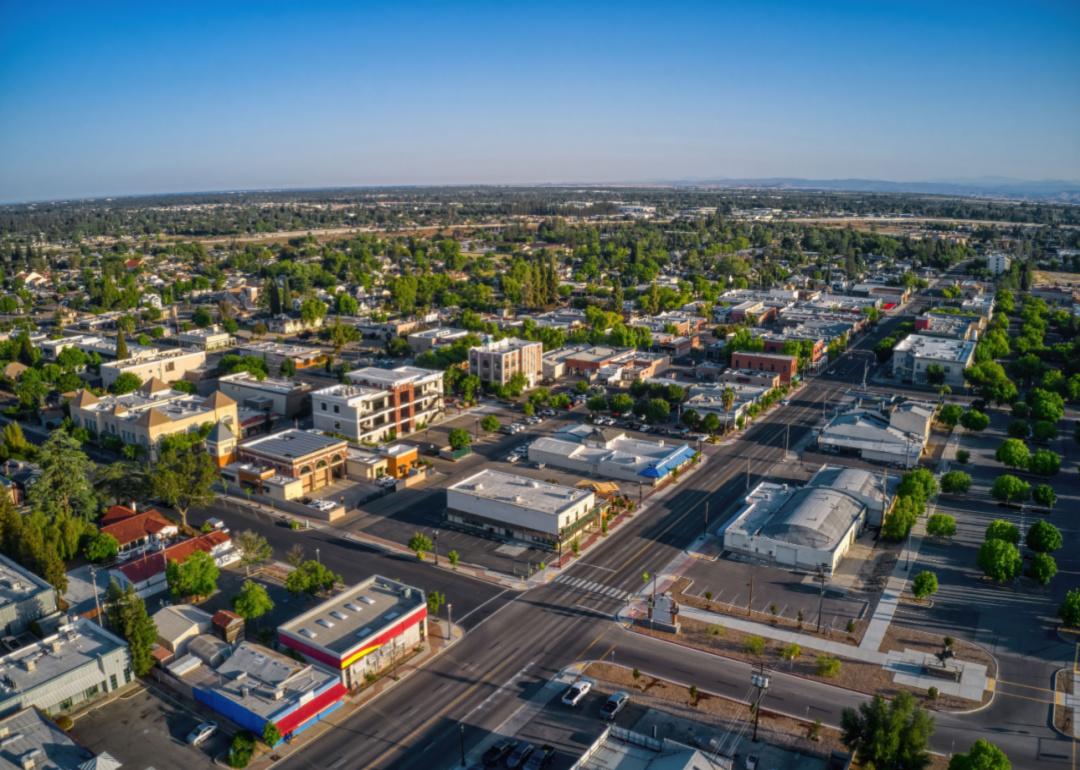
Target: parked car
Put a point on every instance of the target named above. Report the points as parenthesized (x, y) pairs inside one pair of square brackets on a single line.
[(540, 758), (201, 732), (576, 692), (522, 751), (513, 457), (614, 704), (495, 755)]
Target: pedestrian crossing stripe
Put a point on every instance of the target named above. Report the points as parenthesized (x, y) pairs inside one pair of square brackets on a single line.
[(593, 587)]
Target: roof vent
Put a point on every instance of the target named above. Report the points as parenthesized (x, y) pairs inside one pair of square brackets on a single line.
[(29, 664), (245, 691), (279, 693), (29, 760)]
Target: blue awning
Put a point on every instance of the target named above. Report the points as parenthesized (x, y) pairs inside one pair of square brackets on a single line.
[(674, 460)]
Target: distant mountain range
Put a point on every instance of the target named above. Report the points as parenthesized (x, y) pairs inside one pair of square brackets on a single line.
[(1056, 190)]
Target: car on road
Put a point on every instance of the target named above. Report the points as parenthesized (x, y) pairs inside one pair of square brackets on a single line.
[(575, 692), (495, 755), (540, 758), (522, 751), (614, 704), (201, 732)]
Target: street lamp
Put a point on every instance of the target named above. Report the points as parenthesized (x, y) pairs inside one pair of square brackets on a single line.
[(449, 621), (821, 594), (436, 548), (317, 557)]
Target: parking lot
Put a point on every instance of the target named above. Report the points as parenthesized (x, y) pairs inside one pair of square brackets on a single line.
[(850, 594), (146, 729), (398, 516)]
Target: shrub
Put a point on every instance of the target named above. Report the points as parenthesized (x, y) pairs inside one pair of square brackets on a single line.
[(1069, 611), (790, 652), (962, 456), (1044, 494), (716, 630), (755, 645), (241, 749), (828, 666), (1019, 429), (1044, 537), (999, 560), (1000, 529), (924, 584), (64, 722), (932, 693), (1043, 568), (1044, 462), (1010, 489)]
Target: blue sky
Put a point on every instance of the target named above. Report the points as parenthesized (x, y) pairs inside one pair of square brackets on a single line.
[(109, 98)]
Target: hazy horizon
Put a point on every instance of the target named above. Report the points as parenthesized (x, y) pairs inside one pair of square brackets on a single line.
[(137, 99)]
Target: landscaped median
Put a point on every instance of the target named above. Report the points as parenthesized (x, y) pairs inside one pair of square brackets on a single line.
[(806, 654)]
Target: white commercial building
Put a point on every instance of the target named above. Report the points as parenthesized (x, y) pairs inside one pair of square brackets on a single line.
[(611, 454), (916, 353), (798, 527), (78, 663), (521, 508), (210, 338), (24, 598), (497, 361), (379, 404), (167, 366), (897, 438)]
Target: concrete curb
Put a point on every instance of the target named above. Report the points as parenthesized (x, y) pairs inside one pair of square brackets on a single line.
[(1055, 707)]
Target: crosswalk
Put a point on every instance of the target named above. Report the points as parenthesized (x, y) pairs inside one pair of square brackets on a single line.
[(593, 587)]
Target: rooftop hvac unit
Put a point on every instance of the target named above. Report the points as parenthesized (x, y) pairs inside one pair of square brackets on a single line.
[(244, 691), (29, 664), (279, 693)]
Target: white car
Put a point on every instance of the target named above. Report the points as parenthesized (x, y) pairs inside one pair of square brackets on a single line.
[(201, 733), (576, 692)]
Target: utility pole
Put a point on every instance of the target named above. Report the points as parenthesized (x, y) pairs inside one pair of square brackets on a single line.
[(97, 602), (436, 548), (760, 680), (821, 595), (706, 533), (449, 622), (750, 601)]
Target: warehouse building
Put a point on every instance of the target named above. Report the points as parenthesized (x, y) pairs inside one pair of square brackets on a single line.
[(897, 438), (799, 527), (24, 598), (79, 663), (611, 454), (255, 686), (361, 631), (522, 508)]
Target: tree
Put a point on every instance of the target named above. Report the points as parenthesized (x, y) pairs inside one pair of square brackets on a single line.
[(63, 489), (101, 547), (490, 423), (1043, 568), (454, 558), (924, 584), (1014, 453), (1044, 537), (999, 560), (596, 403), (621, 403), (755, 645), (888, 735), (1043, 494), (126, 382), (983, 755), (919, 483), (710, 423), (1044, 462), (657, 410), (121, 346), (253, 601), (1069, 611), (459, 439), (1045, 431), (955, 483), (196, 576), (241, 749), (950, 415), (1010, 489), (254, 549), (790, 652), (420, 544), (935, 374), (184, 478), (310, 578), (312, 309), (1046, 405), (271, 735), (941, 525), (1019, 429), (128, 617), (1000, 529), (436, 600)]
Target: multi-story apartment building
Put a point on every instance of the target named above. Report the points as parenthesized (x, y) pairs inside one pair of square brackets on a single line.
[(279, 396), (149, 414), (378, 404), (997, 263), (497, 361)]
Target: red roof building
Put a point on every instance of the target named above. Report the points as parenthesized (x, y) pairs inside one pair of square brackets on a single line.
[(140, 531), (147, 573)]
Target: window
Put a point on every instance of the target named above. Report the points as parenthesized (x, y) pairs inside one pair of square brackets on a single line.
[(112, 681), (90, 692), (323, 405), (66, 703), (337, 409), (127, 676)]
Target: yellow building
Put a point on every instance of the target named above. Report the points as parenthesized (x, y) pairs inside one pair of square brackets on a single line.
[(149, 414)]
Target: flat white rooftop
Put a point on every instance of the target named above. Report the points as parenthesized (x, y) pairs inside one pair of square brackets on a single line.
[(520, 491)]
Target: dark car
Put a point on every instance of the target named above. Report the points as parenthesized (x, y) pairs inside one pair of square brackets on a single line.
[(522, 751), (494, 756), (540, 759)]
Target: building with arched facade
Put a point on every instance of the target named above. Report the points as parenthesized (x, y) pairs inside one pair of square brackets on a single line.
[(312, 459)]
